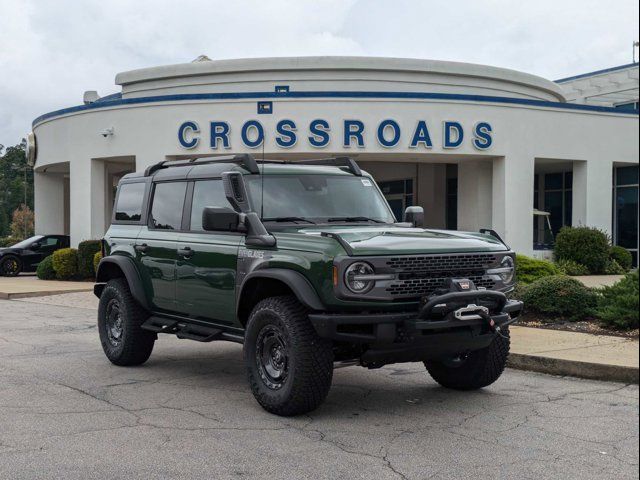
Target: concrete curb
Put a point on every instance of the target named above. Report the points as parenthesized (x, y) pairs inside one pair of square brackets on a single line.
[(572, 368), (11, 296)]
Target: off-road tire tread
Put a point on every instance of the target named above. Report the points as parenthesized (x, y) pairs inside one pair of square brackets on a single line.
[(481, 369), (137, 343), (314, 371)]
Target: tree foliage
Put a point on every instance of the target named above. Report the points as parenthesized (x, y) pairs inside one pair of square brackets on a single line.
[(13, 167), (22, 222)]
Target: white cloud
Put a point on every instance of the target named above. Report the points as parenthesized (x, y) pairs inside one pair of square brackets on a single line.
[(51, 52)]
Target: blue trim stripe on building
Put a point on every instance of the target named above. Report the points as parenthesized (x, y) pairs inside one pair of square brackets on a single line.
[(117, 100), (597, 72)]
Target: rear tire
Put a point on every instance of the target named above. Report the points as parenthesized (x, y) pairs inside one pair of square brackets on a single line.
[(119, 320), (10, 266), (479, 369), (289, 366)]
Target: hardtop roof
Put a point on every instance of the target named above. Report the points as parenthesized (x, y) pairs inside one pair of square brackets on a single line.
[(214, 170)]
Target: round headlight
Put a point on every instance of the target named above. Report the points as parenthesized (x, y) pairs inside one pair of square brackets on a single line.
[(508, 271), (353, 277)]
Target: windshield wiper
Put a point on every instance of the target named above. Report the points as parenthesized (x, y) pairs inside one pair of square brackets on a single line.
[(288, 219), (354, 219)]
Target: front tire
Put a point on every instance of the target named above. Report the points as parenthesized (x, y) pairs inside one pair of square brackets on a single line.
[(289, 366), (10, 266), (119, 320), (474, 370)]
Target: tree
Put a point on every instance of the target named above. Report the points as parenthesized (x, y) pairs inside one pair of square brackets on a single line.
[(22, 224), (16, 183)]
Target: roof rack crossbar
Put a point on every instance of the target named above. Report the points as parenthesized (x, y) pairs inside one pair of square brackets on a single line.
[(250, 163), (348, 162), (246, 160)]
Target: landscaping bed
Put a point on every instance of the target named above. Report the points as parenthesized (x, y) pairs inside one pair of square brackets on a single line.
[(554, 299), (590, 325)]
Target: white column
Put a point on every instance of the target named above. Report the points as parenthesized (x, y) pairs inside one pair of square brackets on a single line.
[(513, 200), (98, 198), (592, 194), (49, 205), (475, 200), (431, 193), (80, 199)]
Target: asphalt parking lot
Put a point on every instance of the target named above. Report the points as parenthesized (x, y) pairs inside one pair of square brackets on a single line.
[(66, 412)]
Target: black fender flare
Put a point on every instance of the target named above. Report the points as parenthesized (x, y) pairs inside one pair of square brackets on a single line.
[(131, 274), (297, 282)]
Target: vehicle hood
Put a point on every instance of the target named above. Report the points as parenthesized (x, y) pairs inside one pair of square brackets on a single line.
[(393, 240)]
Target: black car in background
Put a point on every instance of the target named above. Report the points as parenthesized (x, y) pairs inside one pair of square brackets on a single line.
[(25, 256)]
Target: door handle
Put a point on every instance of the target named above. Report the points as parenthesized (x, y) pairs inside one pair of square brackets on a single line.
[(142, 248), (186, 252)]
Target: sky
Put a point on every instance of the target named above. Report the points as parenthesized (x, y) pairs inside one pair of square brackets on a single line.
[(52, 51)]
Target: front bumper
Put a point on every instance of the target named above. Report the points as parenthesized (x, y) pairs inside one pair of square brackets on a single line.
[(436, 330)]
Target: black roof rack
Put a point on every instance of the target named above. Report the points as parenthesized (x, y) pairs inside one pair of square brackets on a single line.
[(251, 164), (245, 160), (347, 162)]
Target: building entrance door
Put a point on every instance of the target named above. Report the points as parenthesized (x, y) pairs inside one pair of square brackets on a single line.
[(399, 194)]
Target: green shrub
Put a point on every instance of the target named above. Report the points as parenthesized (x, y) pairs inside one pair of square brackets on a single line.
[(614, 268), (584, 245), (86, 252), (618, 305), (622, 256), (569, 267), (96, 260), (530, 269), (560, 295), (65, 263), (45, 269)]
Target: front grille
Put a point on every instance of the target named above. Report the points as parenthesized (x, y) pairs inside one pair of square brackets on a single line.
[(471, 261), (423, 275)]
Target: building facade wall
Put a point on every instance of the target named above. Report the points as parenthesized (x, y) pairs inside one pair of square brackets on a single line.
[(495, 183)]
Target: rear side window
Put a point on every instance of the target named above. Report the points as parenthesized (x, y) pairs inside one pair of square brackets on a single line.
[(206, 193), (168, 201), (130, 198)]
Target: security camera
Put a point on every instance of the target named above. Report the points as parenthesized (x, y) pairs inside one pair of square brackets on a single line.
[(107, 132)]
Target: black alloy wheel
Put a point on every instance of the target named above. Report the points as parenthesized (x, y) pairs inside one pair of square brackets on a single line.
[(10, 266), (272, 357), (114, 322)]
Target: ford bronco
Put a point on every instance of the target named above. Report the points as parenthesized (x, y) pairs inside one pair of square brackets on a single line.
[(305, 265)]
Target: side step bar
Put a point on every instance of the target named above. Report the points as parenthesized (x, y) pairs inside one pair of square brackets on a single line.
[(188, 331)]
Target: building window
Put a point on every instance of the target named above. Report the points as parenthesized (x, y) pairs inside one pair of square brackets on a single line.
[(553, 205), (558, 198), (629, 106), (399, 194), (625, 209)]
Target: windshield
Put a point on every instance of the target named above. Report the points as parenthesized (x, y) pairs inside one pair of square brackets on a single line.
[(319, 198), (27, 242)]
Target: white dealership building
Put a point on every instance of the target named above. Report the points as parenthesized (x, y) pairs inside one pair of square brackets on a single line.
[(476, 146)]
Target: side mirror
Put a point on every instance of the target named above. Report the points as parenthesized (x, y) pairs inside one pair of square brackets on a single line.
[(220, 219), (414, 215), (36, 246)]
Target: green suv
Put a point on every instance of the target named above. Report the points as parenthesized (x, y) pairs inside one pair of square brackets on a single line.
[(305, 265)]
